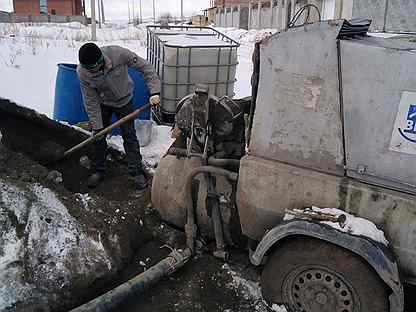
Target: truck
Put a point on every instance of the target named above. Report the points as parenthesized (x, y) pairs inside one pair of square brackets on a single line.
[(332, 125)]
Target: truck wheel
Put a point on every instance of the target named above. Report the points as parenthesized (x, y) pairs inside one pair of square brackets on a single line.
[(310, 275)]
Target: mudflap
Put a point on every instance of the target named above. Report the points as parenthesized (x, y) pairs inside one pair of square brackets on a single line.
[(377, 255)]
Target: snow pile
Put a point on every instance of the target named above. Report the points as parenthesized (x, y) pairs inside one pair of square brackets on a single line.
[(250, 291), (353, 225), (43, 248), (247, 37), (151, 153)]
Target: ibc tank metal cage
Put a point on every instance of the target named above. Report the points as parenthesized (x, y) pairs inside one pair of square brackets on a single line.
[(206, 56)]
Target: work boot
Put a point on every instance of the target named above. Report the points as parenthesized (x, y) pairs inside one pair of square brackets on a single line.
[(95, 179), (141, 183)]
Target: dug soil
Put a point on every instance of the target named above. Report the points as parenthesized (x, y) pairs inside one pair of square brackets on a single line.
[(27, 143)]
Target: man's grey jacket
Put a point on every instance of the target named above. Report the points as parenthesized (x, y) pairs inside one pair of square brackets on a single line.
[(113, 86)]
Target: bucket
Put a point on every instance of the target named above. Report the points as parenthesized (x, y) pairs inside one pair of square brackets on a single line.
[(69, 105)]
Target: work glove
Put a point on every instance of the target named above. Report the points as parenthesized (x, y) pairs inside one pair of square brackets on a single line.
[(154, 100)]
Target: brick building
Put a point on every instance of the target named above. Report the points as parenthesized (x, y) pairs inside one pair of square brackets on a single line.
[(53, 7)]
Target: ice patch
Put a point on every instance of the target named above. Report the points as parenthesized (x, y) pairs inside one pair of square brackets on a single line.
[(353, 225), (250, 291)]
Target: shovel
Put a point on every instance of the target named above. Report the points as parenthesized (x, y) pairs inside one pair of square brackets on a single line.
[(59, 155)]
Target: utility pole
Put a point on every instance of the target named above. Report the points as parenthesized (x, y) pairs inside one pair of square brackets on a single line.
[(140, 7), (154, 12), (99, 14), (93, 24), (102, 12), (128, 8), (182, 11), (134, 16)]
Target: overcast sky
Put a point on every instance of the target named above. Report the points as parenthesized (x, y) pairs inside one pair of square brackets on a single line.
[(118, 9)]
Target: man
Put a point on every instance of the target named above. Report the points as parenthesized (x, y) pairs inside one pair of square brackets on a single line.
[(107, 89)]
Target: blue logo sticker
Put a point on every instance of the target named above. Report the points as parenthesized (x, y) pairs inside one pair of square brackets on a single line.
[(409, 133)]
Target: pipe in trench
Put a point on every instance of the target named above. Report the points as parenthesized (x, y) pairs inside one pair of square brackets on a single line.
[(138, 284), (177, 259)]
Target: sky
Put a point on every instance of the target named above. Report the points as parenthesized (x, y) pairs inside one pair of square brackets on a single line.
[(118, 9)]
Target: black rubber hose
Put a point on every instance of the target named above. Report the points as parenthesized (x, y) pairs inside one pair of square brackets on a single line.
[(137, 285), (190, 226)]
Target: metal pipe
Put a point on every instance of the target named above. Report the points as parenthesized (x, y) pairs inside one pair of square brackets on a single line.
[(190, 226), (99, 14), (93, 22), (216, 218), (137, 285), (216, 162)]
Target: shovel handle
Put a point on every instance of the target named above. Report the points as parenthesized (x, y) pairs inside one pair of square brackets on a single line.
[(117, 124)]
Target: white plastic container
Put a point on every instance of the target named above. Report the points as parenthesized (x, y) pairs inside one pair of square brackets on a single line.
[(184, 56), (143, 131)]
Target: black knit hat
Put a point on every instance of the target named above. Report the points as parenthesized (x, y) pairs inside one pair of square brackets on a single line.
[(90, 55)]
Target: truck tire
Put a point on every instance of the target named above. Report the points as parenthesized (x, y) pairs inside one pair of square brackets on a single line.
[(309, 275)]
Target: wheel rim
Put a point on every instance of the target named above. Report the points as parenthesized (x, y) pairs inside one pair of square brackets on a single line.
[(319, 289)]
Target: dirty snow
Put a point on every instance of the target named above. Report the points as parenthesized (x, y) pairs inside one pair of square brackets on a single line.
[(50, 240), (158, 146), (353, 225), (250, 291)]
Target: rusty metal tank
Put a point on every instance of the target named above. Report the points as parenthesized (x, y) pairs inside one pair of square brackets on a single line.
[(168, 198)]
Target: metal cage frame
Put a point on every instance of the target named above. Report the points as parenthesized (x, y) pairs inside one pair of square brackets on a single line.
[(156, 57)]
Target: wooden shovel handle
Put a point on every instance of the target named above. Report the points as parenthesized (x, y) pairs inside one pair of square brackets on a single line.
[(117, 124)]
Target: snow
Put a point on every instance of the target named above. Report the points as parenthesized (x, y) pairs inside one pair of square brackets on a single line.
[(187, 40), (353, 225), (29, 55), (247, 39), (154, 151), (250, 290), (50, 241)]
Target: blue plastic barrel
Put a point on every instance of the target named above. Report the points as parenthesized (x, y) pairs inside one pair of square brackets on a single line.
[(69, 105)]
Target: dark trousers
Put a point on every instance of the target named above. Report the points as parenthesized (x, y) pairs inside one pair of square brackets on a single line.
[(131, 143)]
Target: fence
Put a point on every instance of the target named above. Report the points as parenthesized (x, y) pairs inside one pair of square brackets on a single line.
[(258, 15), (44, 18), (388, 15)]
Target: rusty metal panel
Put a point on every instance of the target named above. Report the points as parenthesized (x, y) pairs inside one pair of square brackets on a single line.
[(266, 188), (297, 117), (379, 92)]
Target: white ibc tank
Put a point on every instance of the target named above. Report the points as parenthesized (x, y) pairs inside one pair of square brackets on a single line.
[(184, 56)]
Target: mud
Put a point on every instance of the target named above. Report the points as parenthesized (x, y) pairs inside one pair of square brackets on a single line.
[(44, 140), (204, 284)]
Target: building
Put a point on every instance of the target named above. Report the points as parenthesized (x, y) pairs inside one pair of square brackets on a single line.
[(52, 7), (199, 20), (228, 3), (257, 14)]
